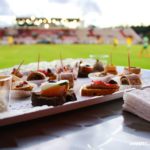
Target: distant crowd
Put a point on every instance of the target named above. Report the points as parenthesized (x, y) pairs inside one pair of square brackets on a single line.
[(68, 36)]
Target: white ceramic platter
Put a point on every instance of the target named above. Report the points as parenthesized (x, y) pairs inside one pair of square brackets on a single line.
[(22, 109)]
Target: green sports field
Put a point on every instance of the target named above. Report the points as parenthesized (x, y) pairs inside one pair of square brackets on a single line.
[(12, 55)]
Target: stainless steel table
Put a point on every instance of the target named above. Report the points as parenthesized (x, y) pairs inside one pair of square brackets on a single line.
[(102, 126), (99, 127)]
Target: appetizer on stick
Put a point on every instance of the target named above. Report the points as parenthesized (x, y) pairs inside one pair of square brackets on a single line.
[(53, 94)]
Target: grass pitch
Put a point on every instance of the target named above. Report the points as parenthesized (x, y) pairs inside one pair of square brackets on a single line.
[(13, 55)]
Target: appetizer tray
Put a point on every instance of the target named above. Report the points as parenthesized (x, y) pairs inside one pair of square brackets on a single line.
[(22, 110)]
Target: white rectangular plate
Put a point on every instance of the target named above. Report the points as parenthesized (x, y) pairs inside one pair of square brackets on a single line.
[(22, 110)]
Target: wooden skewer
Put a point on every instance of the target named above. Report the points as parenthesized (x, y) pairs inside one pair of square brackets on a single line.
[(38, 65), (111, 58), (129, 65), (61, 61), (20, 65)]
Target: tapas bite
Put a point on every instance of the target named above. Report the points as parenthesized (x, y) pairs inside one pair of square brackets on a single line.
[(135, 70), (67, 76), (100, 76), (111, 69), (53, 94), (68, 69), (36, 77), (98, 66), (48, 73), (16, 71), (98, 88), (84, 70), (21, 88), (131, 80), (130, 69), (51, 75)]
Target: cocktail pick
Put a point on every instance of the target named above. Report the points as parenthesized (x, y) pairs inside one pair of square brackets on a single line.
[(111, 58), (129, 65), (38, 63), (61, 61), (20, 65)]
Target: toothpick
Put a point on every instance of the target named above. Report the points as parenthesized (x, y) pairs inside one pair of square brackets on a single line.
[(111, 58), (38, 65), (129, 66), (61, 61), (20, 65)]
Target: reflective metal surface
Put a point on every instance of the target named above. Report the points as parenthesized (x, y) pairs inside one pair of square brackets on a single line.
[(99, 127)]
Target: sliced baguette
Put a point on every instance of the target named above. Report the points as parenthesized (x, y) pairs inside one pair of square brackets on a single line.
[(97, 92)]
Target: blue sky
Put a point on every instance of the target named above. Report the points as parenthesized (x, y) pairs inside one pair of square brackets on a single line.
[(102, 13)]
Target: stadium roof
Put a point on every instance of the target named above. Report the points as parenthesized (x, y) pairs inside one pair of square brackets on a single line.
[(101, 13)]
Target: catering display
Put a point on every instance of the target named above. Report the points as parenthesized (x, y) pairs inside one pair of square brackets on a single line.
[(51, 90)]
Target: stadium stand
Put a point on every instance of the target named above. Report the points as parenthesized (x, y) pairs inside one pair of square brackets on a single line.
[(68, 36)]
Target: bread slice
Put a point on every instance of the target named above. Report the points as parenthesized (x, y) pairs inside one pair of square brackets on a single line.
[(39, 100), (26, 87), (17, 81), (97, 92)]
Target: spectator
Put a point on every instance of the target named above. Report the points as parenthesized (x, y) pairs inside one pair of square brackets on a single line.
[(10, 40), (115, 42), (129, 41), (144, 47)]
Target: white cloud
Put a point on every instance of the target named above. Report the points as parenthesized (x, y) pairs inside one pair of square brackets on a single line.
[(102, 13), (125, 12)]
